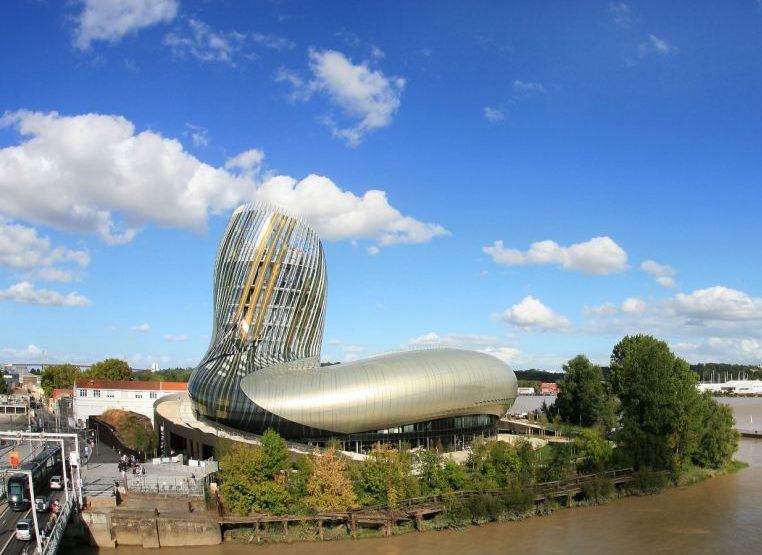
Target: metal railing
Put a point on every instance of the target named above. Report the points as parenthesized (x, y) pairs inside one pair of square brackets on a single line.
[(161, 485)]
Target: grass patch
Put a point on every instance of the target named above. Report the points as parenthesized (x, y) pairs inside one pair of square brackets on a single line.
[(133, 430), (691, 474)]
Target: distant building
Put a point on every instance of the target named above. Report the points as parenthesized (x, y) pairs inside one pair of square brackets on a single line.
[(527, 391), (93, 397), (548, 388), (154, 367), (734, 387)]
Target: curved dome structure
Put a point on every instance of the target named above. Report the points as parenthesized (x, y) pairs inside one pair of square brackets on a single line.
[(262, 367)]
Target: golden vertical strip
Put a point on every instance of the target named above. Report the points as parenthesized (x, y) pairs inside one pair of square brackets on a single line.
[(273, 279), (261, 277), (253, 271)]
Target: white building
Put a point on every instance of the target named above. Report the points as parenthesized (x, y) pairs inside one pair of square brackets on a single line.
[(736, 387), (93, 397)]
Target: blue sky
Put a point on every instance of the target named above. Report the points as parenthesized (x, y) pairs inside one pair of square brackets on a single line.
[(529, 179)]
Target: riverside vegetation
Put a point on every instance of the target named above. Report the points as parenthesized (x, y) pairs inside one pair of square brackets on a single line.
[(648, 415)]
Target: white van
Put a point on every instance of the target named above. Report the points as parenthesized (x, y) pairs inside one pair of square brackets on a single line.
[(24, 529)]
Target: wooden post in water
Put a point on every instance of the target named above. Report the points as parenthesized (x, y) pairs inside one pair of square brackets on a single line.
[(285, 529), (320, 528), (354, 527), (418, 522)]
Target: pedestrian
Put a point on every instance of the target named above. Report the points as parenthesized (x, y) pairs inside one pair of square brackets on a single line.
[(156, 511), (143, 470)]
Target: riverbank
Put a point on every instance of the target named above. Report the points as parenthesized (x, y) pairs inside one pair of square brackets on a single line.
[(479, 510), (151, 522)]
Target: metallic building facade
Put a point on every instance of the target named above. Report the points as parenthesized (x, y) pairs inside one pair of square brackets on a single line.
[(262, 368)]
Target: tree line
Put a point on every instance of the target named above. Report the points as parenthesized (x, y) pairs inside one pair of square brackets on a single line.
[(647, 415), (62, 376)]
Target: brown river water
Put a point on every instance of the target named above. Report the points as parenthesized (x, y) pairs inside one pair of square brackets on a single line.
[(722, 515)]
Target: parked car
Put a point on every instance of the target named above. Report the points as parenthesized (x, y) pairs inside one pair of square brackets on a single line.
[(24, 529), (41, 504), (56, 482)]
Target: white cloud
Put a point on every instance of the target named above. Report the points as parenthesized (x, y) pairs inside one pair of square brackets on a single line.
[(25, 292), (528, 87), (337, 214), (493, 115), (481, 343), (205, 44), (31, 352), (633, 306), (175, 338), (199, 135), (605, 309), (532, 315), (373, 250), (141, 328), (248, 163), (620, 13), (489, 42), (718, 303), (94, 174), (364, 95), (739, 350), (273, 42), (665, 275), (110, 20), (77, 172), (599, 255), (653, 45), (21, 248)]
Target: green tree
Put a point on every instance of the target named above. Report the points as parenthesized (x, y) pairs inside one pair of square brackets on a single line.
[(582, 399), (719, 438), (328, 487), (385, 476), (109, 369), (59, 376), (275, 453), (594, 450), (245, 485), (659, 403)]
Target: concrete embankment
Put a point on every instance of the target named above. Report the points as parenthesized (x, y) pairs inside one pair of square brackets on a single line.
[(139, 525)]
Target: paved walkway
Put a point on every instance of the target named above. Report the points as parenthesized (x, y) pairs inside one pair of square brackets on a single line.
[(98, 477)]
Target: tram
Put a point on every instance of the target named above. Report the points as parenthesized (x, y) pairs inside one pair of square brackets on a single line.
[(46, 464)]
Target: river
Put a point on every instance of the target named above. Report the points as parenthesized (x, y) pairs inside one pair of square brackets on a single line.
[(719, 516)]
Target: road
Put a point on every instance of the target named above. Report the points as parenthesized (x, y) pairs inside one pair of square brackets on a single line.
[(9, 545)]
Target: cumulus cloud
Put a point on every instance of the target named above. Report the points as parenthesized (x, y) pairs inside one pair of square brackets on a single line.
[(599, 255), (363, 95), (110, 20), (337, 214), (633, 306), (141, 328), (25, 292), (718, 303), (738, 350), (21, 248), (202, 42), (373, 250), (493, 115), (532, 315), (95, 174), (664, 275)]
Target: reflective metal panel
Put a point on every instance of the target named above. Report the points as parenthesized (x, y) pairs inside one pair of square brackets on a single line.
[(385, 391)]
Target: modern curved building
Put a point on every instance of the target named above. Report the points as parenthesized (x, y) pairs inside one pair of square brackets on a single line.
[(262, 369)]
